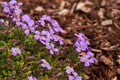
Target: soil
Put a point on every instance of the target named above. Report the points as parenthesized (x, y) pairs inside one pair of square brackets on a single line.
[(104, 38)]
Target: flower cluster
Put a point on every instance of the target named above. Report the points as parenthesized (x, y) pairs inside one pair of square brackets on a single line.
[(82, 42), (27, 24), (15, 51), (45, 64), (45, 29), (82, 45), (72, 74), (53, 24), (12, 8), (49, 34), (88, 59), (13, 11)]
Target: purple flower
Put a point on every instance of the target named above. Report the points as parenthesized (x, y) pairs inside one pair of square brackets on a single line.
[(82, 37), (15, 51), (47, 18), (56, 26), (12, 2), (44, 40), (26, 18), (28, 27), (30, 23), (17, 21), (59, 74), (69, 70), (85, 59), (20, 4), (7, 10), (70, 77), (92, 59), (12, 8), (28, 30), (80, 46), (42, 23), (88, 59), (37, 35), (90, 54), (75, 76), (47, 34), (2, 21), (51, 30), (17, 10), (53, 27), (82, 43), (23, 25), (41, 37), (4, 4), (43, 19), (52, 48), (45, 64), (32, 78), (58, 38)]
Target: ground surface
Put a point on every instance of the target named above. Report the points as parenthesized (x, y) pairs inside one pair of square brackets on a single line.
[(104, 37)]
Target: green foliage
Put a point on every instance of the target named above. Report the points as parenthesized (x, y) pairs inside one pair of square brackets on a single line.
[(21, 66)]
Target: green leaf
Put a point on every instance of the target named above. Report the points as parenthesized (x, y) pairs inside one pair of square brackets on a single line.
[(28, 72), (2, 43), (46, 77), (4, 72)]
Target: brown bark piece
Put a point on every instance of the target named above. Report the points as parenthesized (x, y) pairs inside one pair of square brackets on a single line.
[(106, 60), (107, 22), (118, 71)]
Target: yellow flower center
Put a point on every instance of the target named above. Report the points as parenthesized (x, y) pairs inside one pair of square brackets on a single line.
[(17, 9)]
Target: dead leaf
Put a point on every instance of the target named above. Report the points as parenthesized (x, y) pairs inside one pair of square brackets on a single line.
[(73, 7), (118, 61), (106, 60), (107, 22), (62, 5), (64, 12), (39, 9), (118, 70), (82, 6), (101, 13), (103, 3), (68, 41), (118, 1), (115, 78)]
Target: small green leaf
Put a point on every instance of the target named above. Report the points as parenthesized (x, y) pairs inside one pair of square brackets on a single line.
[(4, 72), (2, 43), (46, 77), (28, 73)]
